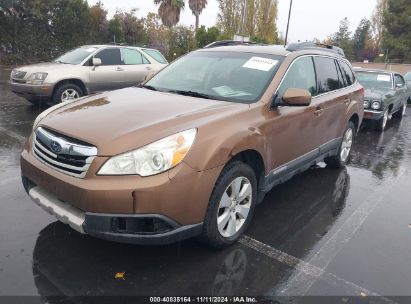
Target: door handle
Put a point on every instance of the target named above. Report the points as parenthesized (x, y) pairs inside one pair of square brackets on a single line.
[(118, 69), (347, 100), (148, 68)]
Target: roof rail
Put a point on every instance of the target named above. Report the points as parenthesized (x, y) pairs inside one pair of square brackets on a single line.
[(228, 43), (292, 47)]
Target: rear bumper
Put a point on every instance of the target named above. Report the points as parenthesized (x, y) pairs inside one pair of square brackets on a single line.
[(373, 115), (31, 91), (147, 229)]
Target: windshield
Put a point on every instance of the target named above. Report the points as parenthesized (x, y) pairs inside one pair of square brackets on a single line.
[(76, 56), (408, 76), (229, 76), (374, 80)]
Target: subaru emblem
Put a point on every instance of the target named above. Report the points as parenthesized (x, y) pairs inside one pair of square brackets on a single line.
[(55, 147)]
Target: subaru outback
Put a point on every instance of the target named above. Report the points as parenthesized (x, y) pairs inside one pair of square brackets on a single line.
[(192, 151)]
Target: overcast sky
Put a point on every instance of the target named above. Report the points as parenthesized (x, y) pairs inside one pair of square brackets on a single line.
[(310, 18)]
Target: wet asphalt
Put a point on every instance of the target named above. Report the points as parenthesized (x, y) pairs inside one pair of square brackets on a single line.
[(325, 232)]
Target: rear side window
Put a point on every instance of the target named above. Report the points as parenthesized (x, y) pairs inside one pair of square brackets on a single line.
[(156, 55), (109, 57), (327, 77), (301, 75), (348, 75)]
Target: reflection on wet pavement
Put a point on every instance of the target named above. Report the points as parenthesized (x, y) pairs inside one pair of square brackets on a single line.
[(299, 219)]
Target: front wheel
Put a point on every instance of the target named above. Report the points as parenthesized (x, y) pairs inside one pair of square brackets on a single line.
[(231, 205), (342, 157), (382, 122), (401, 112), (67, 92)]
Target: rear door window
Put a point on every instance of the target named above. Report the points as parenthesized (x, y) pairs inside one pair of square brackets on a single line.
[(348, 74), (131, 57), (301, 75), (327, 76), (109, 57)]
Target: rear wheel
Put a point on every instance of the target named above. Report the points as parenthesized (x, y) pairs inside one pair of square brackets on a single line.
[(67, 92), (231, 205), (342, 157)]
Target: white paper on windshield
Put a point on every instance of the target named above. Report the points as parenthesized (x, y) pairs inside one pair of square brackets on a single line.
[(384, 78), (260, 63)]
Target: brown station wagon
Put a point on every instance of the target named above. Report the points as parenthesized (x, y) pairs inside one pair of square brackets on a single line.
[(195, 149)]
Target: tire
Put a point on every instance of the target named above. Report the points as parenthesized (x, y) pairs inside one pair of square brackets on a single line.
[(238, 175), (381, 123), (343, 156), (401, 112), (68, 88)]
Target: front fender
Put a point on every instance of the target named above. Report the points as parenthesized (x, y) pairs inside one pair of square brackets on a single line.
[(217, 150)]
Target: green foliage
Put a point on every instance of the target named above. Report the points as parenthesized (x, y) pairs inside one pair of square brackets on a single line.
[(206, 36), (342, 38), (396, 37)]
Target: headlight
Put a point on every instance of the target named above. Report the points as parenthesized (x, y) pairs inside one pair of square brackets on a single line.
[(375, 105), (152, 159), (36, 78), (366, 104)]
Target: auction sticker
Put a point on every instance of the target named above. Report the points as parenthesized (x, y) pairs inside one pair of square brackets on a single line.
[(260, 63), (383, 78)]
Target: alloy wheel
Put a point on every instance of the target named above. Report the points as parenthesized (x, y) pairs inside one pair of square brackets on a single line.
[(69, 94), (346, 144), (234, 206)]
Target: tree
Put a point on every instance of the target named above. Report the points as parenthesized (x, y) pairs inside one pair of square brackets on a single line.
[(396, 36), (377, 21), (69, 22), (197, 7), (181, 41), (206, 36), (267, 20), (169, 11), (342, 38), (229, 16), (130, 28), (361, 39), (98, 24), (157, 33)]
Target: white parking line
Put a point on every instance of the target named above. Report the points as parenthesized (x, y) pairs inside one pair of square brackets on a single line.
[(300, 282), (304, 267)]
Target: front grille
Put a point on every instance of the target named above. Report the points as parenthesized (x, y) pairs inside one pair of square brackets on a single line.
[(64, 154), (18, 74)]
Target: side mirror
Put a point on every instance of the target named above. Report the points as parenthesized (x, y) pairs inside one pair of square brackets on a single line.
[(96, 61), (297, 97)]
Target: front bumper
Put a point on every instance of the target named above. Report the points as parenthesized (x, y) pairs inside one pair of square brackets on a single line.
[(147, 229), (373, 114), (32, 91)]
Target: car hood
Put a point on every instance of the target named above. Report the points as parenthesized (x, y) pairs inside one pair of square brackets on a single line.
[(119, 121), (374, 94), (44, 67)]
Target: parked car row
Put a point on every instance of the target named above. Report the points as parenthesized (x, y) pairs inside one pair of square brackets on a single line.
[(86, 70), (194, 149)]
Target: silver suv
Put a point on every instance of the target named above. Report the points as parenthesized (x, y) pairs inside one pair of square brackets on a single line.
[(85, 70)]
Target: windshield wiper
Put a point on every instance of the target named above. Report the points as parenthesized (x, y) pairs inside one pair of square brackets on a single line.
[(191, 93), (148, 87)]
